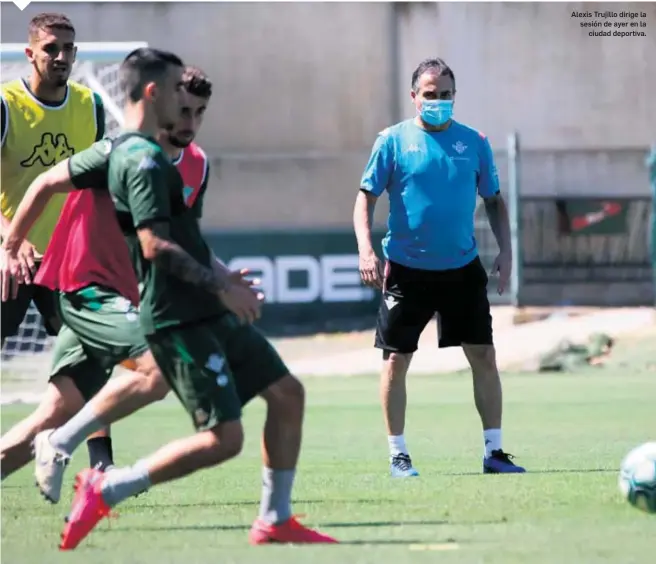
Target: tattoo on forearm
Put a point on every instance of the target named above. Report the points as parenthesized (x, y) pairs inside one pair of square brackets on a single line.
[(179, 263)]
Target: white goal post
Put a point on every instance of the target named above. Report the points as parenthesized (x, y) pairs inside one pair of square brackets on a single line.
[(26, 357)]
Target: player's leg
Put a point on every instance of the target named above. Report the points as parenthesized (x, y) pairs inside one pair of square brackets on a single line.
[(60, 401), (108, 328), (402, 316), (87, 376), (101, 451), (120, 397), (63, 398), (259, 370), (14, 311), (466, 321), (15, 444), (99, 444), (193, 363)]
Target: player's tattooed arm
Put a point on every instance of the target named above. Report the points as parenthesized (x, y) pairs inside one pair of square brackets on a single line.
[(157, 246), (219, 266), (497, 215)]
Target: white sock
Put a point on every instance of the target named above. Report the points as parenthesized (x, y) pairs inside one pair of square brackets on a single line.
[(397, 445), (123, 483), (492, 440)]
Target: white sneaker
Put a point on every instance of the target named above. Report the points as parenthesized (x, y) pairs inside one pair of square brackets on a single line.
[(401, 467), (49, 466)]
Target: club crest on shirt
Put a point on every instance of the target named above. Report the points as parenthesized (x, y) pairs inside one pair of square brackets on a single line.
[(201, 417), (460, 147), (125, 306), (147, 163)]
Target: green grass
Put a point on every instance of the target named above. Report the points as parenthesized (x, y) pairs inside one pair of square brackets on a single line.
[(570, 431)]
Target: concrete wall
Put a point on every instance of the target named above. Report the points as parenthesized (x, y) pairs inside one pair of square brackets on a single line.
[(302, 90), (290, 77), (532, 67)]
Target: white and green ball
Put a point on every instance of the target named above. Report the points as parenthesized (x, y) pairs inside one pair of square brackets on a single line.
[(638, 477)]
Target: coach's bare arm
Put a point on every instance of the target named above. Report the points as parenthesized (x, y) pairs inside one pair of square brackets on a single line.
[(497, 215), (371, 270)]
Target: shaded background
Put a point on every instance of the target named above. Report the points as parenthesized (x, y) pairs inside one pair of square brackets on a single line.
[(301, 90)]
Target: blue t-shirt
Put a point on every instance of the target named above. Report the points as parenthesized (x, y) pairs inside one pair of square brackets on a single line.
[(432, 179)]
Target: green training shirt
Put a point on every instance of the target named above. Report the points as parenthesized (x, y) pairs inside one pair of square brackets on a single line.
[(147, 188)]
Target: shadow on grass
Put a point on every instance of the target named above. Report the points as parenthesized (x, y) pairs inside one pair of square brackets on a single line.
[(257, 503), (340, 525), (553, 471), (383, 542)]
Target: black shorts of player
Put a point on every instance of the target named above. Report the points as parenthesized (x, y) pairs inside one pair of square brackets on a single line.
[(411, 298), (14, 311)]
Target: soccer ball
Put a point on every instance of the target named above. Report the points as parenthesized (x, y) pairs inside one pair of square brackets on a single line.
[(638, 477)]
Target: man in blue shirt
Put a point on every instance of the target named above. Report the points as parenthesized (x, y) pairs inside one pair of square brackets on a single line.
[(433, 168)]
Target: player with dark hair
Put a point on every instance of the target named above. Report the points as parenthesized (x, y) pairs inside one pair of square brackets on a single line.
[(45, 118), (213, 362), (179, 142), (433, 168), (87, 249), (187, 156)]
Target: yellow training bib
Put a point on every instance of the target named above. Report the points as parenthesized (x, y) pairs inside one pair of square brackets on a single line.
[(38, 136)]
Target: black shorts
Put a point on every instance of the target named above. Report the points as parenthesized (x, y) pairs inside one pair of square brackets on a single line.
[(14, 311), (411, 297)]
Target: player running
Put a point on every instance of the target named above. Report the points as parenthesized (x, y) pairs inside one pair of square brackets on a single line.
[(38, 131), (214, 363), (88, 216)]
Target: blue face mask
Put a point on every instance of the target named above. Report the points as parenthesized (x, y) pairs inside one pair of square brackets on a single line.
[(436, 112)]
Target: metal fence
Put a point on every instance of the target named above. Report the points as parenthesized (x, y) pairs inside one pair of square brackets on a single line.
[(606, 261)]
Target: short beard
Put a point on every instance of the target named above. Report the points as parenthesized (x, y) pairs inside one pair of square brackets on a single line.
[(178, 143), (55, 82), (50, 83)]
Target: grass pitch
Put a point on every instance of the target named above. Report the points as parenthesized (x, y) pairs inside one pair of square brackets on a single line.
[(570, 431)]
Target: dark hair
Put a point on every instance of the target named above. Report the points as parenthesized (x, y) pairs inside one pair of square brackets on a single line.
[(436, 65), (142, 66), (196, 82), (48, 20)]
